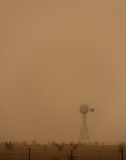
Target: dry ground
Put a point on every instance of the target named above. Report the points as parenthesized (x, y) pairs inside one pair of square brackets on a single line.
[(50, 152)]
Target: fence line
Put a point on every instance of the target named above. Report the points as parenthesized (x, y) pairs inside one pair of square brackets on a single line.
[(31, 153)]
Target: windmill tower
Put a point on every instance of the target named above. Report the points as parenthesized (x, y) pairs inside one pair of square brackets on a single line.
[(84, 134)]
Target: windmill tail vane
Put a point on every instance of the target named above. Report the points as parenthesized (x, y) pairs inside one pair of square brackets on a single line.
[(92, 109)]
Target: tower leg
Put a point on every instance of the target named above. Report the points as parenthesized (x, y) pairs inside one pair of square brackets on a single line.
[(84, 135)]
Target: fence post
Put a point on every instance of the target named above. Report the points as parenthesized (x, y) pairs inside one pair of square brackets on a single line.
[(29, 153), (50, 154), (11, 155), (71, 156), (99, 155), (122, 154)]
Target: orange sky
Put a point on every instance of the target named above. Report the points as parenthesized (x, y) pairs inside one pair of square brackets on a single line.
[(55, 56)]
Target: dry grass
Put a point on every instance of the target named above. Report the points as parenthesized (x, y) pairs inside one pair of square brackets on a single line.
[(52, 153)]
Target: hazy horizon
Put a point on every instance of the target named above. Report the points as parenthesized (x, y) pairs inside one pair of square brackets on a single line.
[(55, 56)]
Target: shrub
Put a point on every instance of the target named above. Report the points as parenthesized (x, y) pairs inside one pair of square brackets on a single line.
[(60, 146), (74, 145), (8, 145)]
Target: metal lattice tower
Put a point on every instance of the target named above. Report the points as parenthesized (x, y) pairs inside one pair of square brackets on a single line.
[(84, 134)]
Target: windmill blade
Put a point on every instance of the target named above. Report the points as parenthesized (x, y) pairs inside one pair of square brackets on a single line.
[(92, 109), (84, 109)]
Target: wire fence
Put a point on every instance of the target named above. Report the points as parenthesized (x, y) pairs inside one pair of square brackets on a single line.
[(53, 154)]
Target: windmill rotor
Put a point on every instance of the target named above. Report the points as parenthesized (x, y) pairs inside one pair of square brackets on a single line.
[(84, 109)]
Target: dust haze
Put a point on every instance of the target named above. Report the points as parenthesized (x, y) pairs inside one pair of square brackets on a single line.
[(55, 56)]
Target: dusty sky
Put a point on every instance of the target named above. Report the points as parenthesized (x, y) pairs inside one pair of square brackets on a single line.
[(55, 56)]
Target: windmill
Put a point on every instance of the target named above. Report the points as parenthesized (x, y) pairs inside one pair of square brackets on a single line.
[(84, 135)]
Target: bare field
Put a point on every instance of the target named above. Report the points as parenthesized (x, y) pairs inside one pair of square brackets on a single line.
[(50, 152)]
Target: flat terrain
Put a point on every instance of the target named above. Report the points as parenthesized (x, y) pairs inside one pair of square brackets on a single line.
[(50, 152)]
